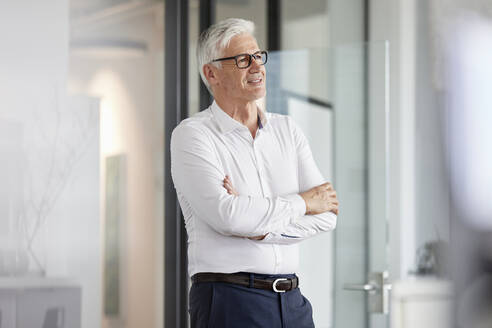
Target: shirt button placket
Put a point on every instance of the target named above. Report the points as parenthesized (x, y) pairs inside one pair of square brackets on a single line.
[(259, 166)]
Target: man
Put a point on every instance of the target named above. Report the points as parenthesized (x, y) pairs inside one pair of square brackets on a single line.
[(249, 190)]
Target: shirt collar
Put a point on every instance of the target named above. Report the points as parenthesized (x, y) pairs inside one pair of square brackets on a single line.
[(227, 123)]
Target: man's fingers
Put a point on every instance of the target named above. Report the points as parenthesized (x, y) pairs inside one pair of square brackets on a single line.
[(227, 181), (231, 191), (227, 184), (327, 186)]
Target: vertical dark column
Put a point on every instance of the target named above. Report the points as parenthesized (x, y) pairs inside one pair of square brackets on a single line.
[(274, 23), (207, 18), (276, 99), (176, 109)]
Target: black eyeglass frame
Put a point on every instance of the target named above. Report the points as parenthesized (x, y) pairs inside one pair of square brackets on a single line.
[(256, 55)]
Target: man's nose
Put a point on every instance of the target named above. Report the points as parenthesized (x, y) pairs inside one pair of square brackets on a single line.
[(255, 64)]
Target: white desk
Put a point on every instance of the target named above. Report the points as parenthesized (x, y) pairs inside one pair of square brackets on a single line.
[(39, 303)]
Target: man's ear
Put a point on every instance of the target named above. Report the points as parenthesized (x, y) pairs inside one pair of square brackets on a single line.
[(210, 73)]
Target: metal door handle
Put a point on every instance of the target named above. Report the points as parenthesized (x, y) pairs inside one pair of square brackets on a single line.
[(362, 287), (378, 291)]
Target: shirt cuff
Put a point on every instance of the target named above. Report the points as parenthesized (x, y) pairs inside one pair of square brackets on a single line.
[(298, 205)]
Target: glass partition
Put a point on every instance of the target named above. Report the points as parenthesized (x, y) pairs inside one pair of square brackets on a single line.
[(339, 98), (81, 164), (117, 61)]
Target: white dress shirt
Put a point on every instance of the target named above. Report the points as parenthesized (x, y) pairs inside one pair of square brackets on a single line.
[(268, 172)]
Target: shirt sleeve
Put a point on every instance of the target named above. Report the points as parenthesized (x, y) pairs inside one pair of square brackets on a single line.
[(304, 226), (198, 175)]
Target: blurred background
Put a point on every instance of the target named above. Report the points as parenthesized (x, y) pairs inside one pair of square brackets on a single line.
[(393, 96)]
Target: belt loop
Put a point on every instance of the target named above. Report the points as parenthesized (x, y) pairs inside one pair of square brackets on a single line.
[(251, 280)]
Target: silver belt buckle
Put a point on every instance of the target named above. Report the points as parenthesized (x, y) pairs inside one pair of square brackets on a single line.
[(275, 285)]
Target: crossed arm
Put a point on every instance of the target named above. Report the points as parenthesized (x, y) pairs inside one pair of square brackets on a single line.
[(317, 200), (286, 219), (197, 173)]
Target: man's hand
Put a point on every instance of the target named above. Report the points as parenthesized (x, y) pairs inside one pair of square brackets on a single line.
[(320, 199), (230, 190), (228, 186)]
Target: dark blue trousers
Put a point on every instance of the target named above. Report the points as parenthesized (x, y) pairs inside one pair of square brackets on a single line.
[(217, 305)]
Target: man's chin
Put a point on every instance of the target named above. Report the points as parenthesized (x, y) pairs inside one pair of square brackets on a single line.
[(258, 94)]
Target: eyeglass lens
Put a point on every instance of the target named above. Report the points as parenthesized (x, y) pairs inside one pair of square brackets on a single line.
[(244, 61)]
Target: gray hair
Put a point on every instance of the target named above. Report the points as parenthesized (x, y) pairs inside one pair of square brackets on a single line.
[(216, 38)]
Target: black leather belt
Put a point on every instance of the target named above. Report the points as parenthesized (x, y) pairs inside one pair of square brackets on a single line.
[(279, 285)]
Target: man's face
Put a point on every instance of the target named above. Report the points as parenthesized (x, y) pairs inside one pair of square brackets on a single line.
[(246, 84)]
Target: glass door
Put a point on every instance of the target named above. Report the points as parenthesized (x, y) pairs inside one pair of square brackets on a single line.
[(339, 97)]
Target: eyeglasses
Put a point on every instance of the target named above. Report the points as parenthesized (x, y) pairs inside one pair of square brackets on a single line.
[(245, 60)]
